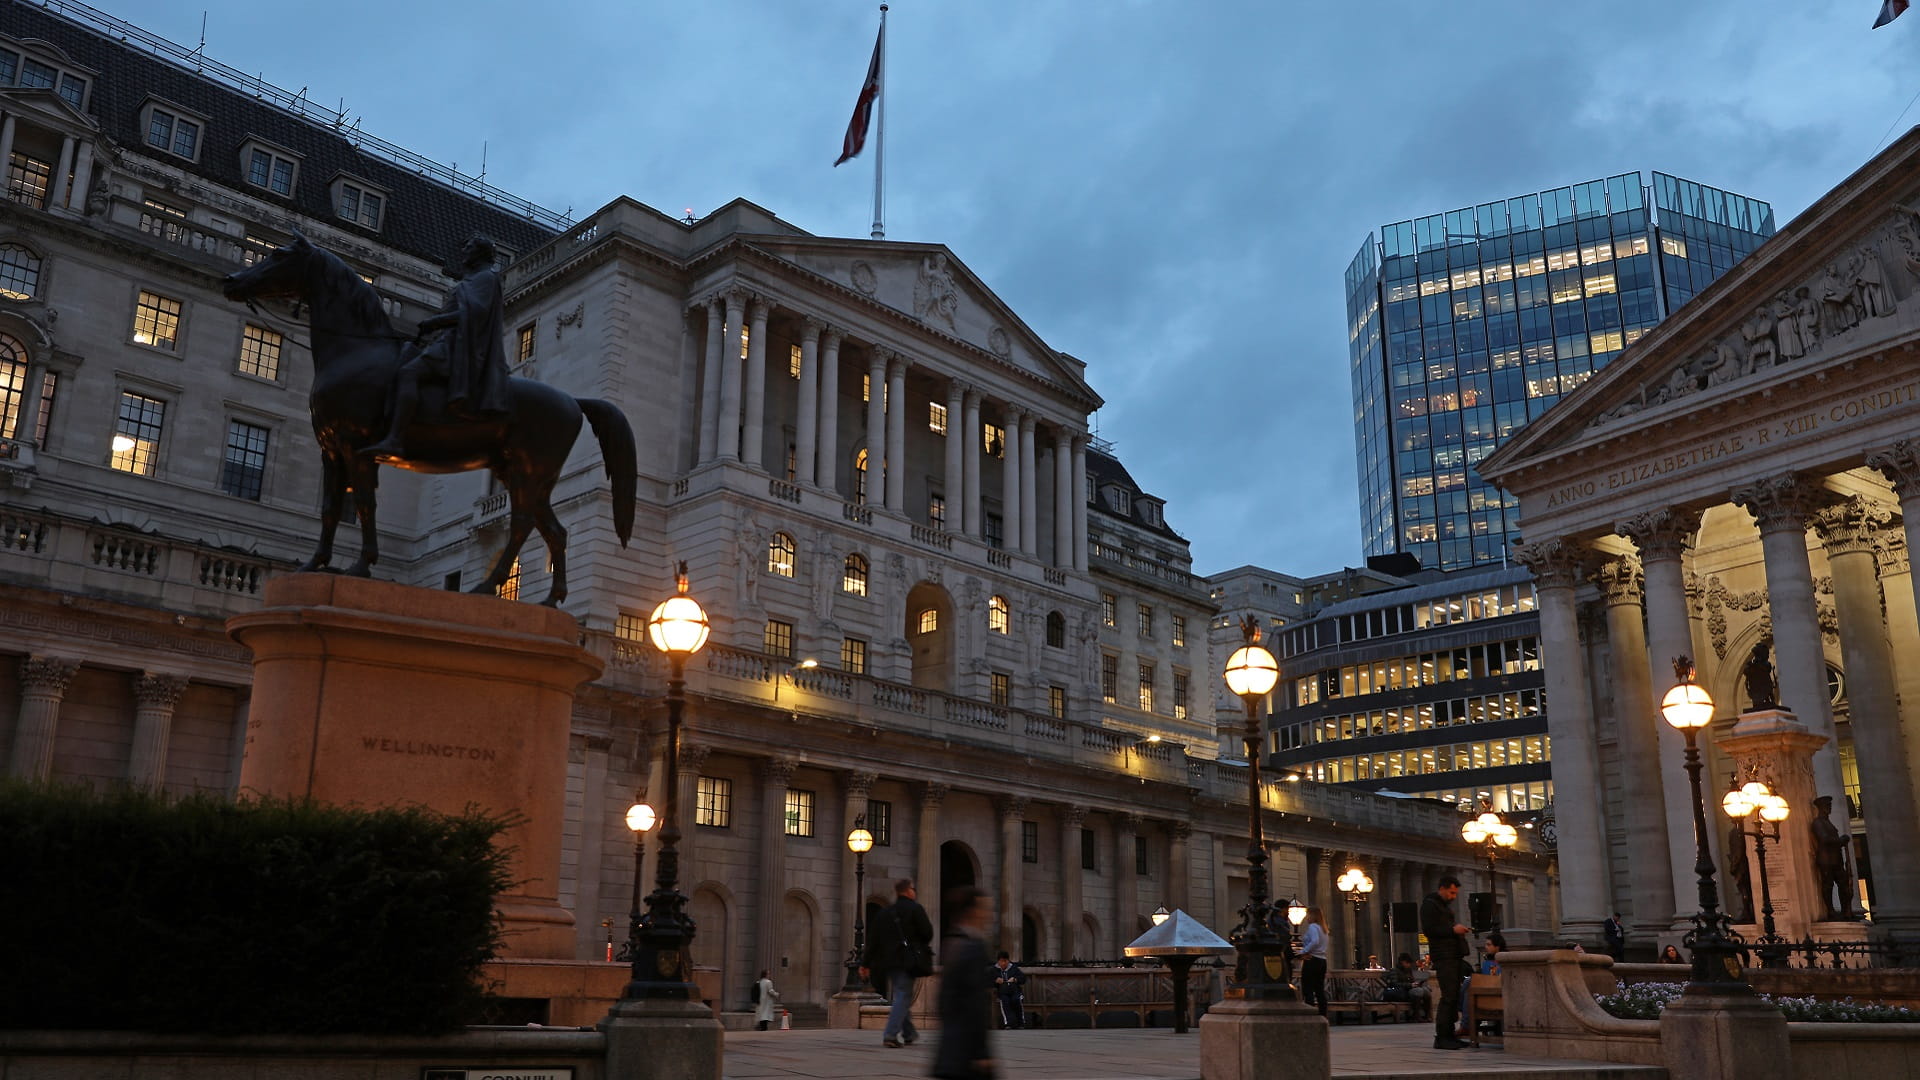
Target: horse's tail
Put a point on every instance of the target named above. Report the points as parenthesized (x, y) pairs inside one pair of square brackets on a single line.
[(621, 458)]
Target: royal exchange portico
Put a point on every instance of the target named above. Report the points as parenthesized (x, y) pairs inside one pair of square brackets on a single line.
[(1748, 471)]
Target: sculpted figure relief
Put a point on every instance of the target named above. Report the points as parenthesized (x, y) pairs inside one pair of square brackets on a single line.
[(1840, 305), (1758, 332), (1870, 284), (935, 297), (1790, 344)]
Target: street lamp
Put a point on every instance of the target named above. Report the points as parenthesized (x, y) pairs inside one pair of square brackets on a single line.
[(1265, 964), (640, 819), (1357, 885), (1488, 829), (1717, 949), (859, 841), (1161, 914), (678, 628), (1740, 803), (1296, 914)]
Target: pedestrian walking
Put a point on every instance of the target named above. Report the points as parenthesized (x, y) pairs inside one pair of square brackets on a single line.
[(765, 1002), (1447, 943), (1010, 991), (1313, 960), (900, 950), (965, 980)]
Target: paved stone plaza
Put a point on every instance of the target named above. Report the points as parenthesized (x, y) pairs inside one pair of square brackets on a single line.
[(1376, 1053)]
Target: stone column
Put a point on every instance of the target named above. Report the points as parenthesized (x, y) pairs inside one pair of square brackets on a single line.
[(1772, 745), (1010, 483), (807, 421), (1063, 499), (1013, 812), (1901, 466), (1179, 865), (756, 422), (6, 142), (1072, 907), (1557, 567), (1781, 505), (956, 479), (1849, 529), (1080, 503), (1663, 537), (970, 465), (927, 854), (776, 774), (1029, 530), (1126, 884), (710, 381), (877, 358), (43, 683), (855, 790), (590, 895), (1903, 636), (729, 419), (897, 435), (1650, 870), (57, 188), (1391, 886), (827, 474), (82, 177), (692, 757), (154, 695)]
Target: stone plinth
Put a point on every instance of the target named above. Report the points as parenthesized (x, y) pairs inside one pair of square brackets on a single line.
[(1778, 749), (374, 694), (663, 1040), (1270, 1040), (1708, 1036)]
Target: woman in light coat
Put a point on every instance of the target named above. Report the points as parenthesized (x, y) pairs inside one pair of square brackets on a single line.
[(1313, 960), (768, 1009)]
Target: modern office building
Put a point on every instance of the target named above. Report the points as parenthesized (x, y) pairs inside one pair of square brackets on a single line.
[(1463, 326)]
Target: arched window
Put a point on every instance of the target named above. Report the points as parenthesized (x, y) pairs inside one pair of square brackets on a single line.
[(998, 615), (860, 477), (854, 578), (929, 620), (19, 272), (780, 551), (1056, 630)]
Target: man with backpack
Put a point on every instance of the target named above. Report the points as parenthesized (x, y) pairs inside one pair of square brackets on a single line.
[(899, 950)]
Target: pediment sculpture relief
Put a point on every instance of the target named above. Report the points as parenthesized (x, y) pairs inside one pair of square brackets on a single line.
[(936, 299), (1855, 289)]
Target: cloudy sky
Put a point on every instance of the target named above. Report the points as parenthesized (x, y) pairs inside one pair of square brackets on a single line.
[(1168, 189)]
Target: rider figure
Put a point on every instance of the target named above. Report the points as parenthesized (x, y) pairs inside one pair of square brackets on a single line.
[(468, 353)]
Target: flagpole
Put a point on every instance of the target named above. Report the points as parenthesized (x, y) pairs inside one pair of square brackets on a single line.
[(880, 139)]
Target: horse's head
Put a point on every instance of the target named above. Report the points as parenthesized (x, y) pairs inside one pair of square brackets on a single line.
[(281, 274)]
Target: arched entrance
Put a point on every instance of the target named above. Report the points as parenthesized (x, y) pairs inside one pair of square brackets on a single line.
[(1029, 937), (798, 946), (712, 951), (958, 868), (930, 631)]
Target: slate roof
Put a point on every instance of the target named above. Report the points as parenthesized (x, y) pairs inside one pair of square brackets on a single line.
[(1104, 469), (423, 218)]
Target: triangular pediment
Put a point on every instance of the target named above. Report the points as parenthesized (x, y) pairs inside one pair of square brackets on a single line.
[(927, 286), (48, 108), (1838, 283)]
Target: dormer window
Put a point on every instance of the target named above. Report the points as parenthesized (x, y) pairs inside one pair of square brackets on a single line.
[(32, 73), (172, 131), (359, 203), (269, 167), (1119, 501)]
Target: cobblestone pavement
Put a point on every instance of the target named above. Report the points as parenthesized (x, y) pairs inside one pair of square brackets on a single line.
[(1381, 1052)]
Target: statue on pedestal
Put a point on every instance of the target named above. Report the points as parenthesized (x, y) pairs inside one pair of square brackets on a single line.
[(1739, 874), (1758, 674), (1830, 862)]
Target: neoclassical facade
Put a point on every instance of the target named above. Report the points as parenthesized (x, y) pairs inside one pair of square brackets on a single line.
[(1744, 479)]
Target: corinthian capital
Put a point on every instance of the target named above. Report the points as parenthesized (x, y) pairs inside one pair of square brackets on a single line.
[(1556, 563), (1779, 503), (811, 327), (1011, 807), (1621, 580), (158, 690), (1851, 525), (1661, 534), (858, 784), (1901, 464), (47, 674), (1890, 550)]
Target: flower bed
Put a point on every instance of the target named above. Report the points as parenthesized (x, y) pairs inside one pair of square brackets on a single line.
[(1643, 1001)]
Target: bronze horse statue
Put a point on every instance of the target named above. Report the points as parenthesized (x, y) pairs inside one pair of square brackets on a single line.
[(356, 352)]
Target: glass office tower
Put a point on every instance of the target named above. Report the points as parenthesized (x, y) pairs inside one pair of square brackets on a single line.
[(1465, 325)]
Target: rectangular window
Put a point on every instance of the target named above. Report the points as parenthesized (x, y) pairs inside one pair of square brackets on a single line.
[(1057, 702), (245, 468), (1179, 695), (793, 361), (853, 656), (1140, 856), (1089, 851), (136, 435), (1109, 609), (260, 352), (156, 320), (1146, 620), (936, 418), (49, 384), (880, 822), (359, 205), (28, 179), (994, 439), (35, 75), (73, 89), (799, 813), (13, 391), (995, 531), (999, 686), (1109, 678), (1179, 631), (1146, 687), (937, 510), (866, 388), (9, 66), (779, 639), (1030, 841), (713, 802), (629, 637), (271, 171), (174, 134), (523, 351)]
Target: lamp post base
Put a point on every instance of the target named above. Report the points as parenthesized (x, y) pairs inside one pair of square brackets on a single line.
[(658, 1039), (1711, 1033), (1245, 1039)]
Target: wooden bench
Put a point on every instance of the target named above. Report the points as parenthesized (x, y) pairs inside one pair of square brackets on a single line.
[(1357, 994), (1484, 1004)]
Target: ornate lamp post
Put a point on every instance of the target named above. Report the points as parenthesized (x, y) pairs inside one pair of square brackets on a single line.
[(1265, 965), (1716, 949), (1488, 829), (859, 841), (1296, 914), (640, 819), (1740, 803), (1161, 914), (678, 628), (1357, 886)]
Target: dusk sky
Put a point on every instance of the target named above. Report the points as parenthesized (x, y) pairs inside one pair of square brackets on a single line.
[(1167, 189)]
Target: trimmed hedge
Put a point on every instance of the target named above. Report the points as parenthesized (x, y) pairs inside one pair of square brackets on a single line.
[(133, 911)]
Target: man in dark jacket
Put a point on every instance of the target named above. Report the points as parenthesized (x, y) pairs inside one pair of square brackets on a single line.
[(899, 948), (1447, 943), (1009, 988), (965, 978)]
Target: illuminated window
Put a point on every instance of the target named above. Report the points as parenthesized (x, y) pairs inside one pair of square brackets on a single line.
[(28, 179), (746, 336), (260, 352), (1179, 631), (995, 440), (937, 510), (1146, 620), (860, 477), (1179, 695), (1673, 245), (998, 615), (136, 434), (1109, 609), (936, 418), (793, 361), (523, 345), (929, 620), (780, 552), (713, 802), (510, 588), (799, 813), (778, 639), (853, 577), (1109, 678), (880, 822), (999, 687), (853, 656), (1057, 702), (1146, 687), (629, 636), (866, 388), (156, 320), (245, 467), (19, 272)]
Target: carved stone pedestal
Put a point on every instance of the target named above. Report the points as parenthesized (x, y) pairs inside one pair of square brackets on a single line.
[(1779, 750), (1724, 1037), (1268, 1040), (663, 1040)]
